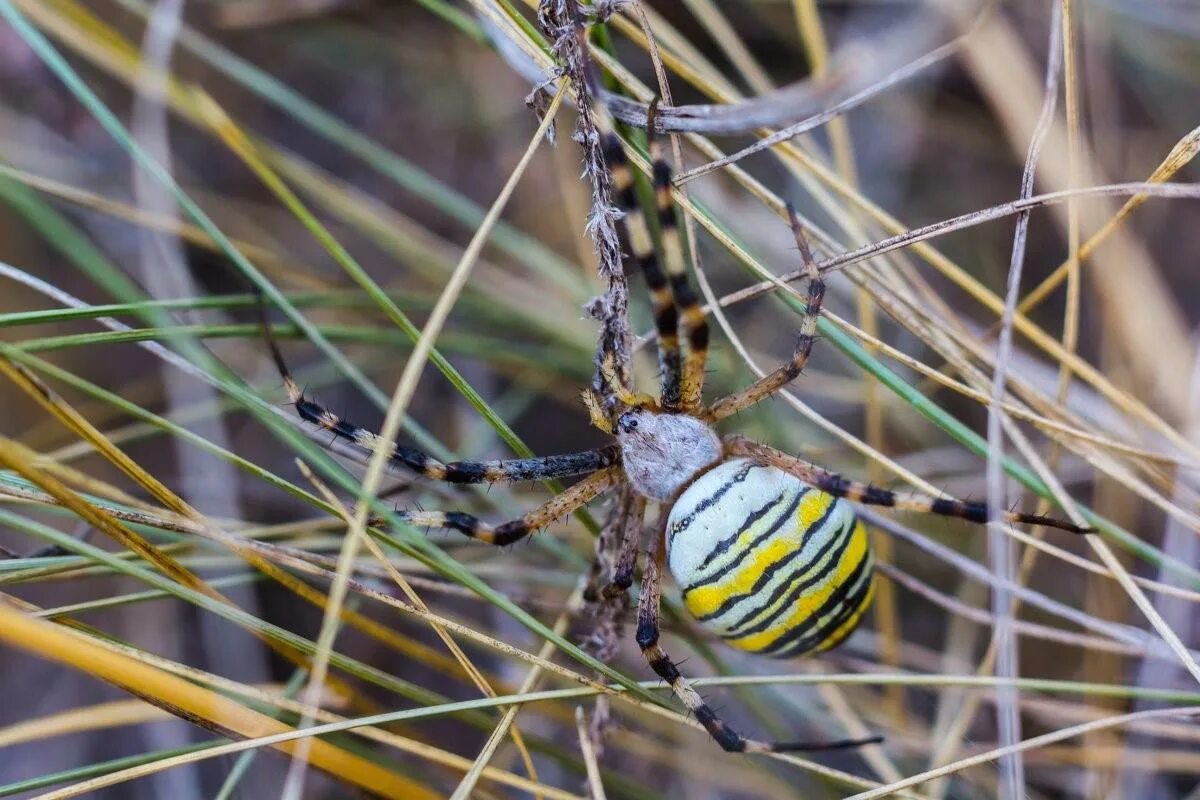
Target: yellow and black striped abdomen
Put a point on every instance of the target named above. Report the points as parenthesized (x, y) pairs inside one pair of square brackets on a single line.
[(769, 563)]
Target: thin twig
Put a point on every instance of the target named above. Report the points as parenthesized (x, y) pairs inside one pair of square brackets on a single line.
[(1000, 546), (1028, 744), (969, 220), (595, 784), (894, 78), (559, 20)]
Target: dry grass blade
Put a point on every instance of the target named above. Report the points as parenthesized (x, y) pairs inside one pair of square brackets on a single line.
[(268, 259), (188, 701), (407, 385), (829, 115), (1028, 744), (595, 784), (1001, 549), (971, 219), (477, 677), (12, 456), (1180, 156), (358, 204), (101, 716)]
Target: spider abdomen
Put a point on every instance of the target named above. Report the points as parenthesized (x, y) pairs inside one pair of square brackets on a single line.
[(769, 563)]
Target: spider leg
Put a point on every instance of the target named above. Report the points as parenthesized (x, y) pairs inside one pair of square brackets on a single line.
[(606, 543), (836, 485), (509, 532), (516, 469), (622, 577), (641, 245), (649, 624), (771, 382), (693, 326), (677, 309)]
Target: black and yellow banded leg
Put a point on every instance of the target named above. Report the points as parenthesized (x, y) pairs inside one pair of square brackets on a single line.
[(649, 624), (641, 245), (509, 532), (693, 326), (512, 470), (836, 485), (768, 384)]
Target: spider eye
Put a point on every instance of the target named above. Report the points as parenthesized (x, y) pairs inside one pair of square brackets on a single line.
[(631, 424)]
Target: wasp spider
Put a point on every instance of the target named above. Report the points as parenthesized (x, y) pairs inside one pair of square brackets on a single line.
[(766, 548)]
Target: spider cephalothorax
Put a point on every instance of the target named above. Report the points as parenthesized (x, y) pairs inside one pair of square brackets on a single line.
[(766, 548), (662, 453)]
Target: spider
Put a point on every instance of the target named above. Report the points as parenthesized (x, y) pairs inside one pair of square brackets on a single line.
[(766, 548)]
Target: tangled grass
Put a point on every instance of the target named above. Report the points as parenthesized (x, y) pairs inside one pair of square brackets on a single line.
[(998, 192)]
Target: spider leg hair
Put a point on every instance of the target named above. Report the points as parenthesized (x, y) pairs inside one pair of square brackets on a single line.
[(628, 397), (693, 325), (507, 533), (641, 245), (648, 628), (514, 470), (776, 379), (622, 577), (836, 485), (597, 414), (607, 542)]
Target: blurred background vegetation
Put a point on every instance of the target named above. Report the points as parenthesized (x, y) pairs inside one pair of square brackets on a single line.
[(341, 154)]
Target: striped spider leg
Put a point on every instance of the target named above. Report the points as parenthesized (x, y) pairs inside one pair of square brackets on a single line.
[(627, 551), (775, 380), (767, 550), (600, 464), (678, 314), (822, 479), (630, 517), (667, 448), (833, 484), (693, 325), (563, 503), (644, 254)]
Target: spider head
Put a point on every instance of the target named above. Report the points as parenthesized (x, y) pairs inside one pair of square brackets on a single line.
[(662, 453), (629, 421)]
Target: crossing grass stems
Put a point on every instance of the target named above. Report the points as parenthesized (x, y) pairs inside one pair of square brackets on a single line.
[(766, 547)]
